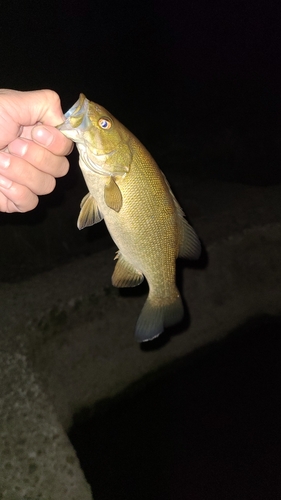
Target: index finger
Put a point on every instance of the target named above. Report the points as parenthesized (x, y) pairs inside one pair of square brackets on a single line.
[(28, 108), (52, 139)]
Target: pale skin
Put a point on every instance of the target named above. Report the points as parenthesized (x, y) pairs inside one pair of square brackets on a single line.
[(32, 151)]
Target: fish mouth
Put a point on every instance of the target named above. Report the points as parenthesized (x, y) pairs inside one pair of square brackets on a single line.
[(76, 120), (79, 108)]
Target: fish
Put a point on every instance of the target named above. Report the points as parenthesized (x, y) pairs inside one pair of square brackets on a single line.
[(131, 194)]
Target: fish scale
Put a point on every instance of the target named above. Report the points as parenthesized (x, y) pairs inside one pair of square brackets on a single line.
[(132, 195)]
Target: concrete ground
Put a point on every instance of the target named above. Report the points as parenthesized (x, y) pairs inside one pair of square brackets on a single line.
[(66, 337)]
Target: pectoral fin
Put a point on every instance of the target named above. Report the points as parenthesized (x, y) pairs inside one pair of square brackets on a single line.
[(125, 275), (89, 213), (113, 195)]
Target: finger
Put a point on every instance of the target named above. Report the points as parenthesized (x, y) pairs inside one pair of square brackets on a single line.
[(23, 109), (28, 108), (17, 198), (52, 139), (40, 157), (19, 171), (6, 205)]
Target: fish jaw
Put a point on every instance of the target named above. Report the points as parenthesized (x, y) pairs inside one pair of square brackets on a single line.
[(76, 120), (80, 106)]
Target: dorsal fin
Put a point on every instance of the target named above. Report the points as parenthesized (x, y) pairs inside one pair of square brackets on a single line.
[(189, 243)]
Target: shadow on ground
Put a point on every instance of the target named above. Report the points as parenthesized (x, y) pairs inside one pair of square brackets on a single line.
[(206, 427)]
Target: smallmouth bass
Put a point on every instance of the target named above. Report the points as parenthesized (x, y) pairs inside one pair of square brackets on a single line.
[(128, 190)]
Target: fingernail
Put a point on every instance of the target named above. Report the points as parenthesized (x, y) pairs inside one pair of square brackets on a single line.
[(42, 135), (4, 160), (5, 183), (18, 147)]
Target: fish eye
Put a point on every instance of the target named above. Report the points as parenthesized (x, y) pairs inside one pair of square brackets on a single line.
[(104, 123)]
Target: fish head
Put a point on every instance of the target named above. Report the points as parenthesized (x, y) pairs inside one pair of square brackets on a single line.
[(102, 141)]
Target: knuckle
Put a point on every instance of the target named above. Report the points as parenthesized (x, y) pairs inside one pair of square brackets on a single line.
[(32, 203), (64, 167), (39, 156), (23, 199), (64, 146), (51, 95), (50, 185), (70, 147)]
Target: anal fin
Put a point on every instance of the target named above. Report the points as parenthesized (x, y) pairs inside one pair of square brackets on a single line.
[(125, 275), (90, 213)]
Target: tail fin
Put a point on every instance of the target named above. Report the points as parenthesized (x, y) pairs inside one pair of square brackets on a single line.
[(155, 316)]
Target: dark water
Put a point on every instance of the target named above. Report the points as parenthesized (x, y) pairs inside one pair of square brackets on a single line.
[(205, 428)]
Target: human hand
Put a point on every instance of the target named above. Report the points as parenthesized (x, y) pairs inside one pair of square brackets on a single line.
[(32, 150)]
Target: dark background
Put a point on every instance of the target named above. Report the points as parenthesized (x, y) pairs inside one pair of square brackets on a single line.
[(199, 83), (207, 73)]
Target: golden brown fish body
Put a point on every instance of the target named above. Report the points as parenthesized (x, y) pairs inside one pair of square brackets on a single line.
[(131, 194)]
